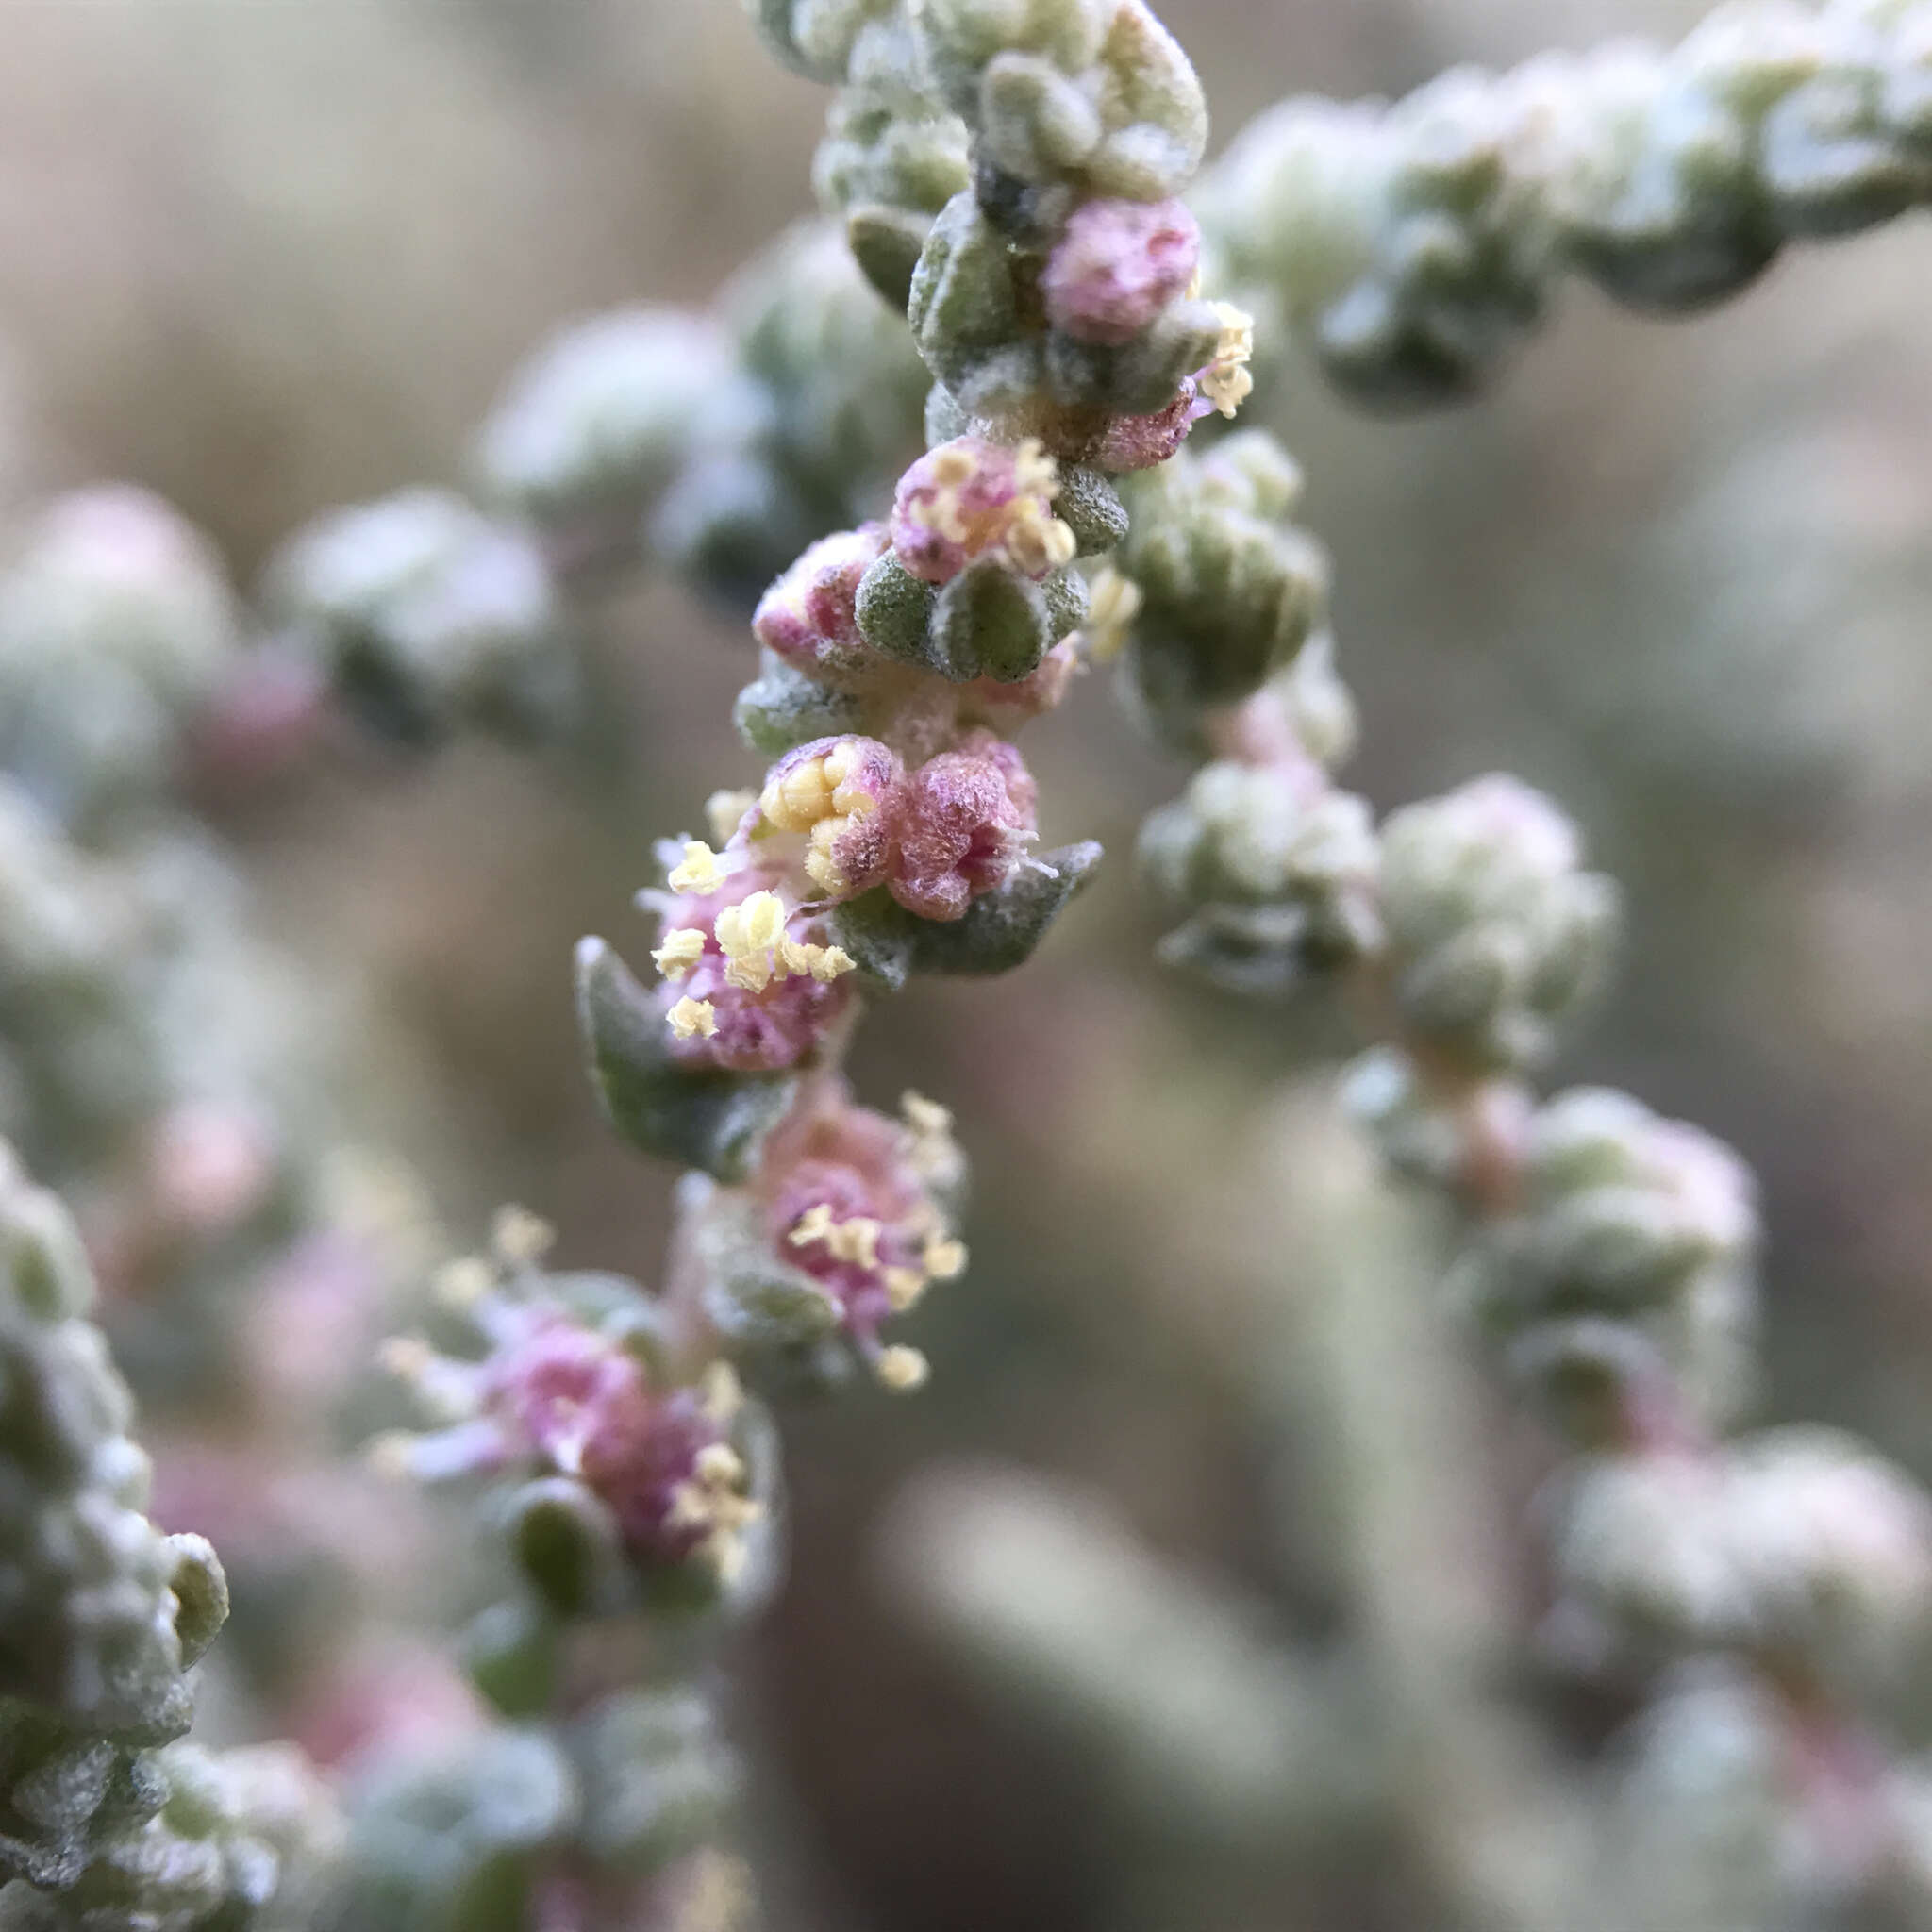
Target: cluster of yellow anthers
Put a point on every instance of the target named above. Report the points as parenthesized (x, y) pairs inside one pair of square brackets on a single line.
[(1016, 522), (941, 1258), (714, 1500), (819, 796), (1227, 381), (752, 936)]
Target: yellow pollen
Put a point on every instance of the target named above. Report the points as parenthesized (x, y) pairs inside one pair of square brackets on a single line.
[(856, 1240), (683, 946), (1227, 381), (754, 925), (827, 963), (520, 1239), (724, 809), (1034, 470), (902, 1370), (689, 1018), (691, 1507), (1036, 540), (722, 1896), (720, 1391), (944, 1259), (391, 1455), (953, 467), (1114, 602), (720, 1466), (903, 1287), (699, 872), (925, 1116), (814, 1224), (463, 1283), (404, 1355)]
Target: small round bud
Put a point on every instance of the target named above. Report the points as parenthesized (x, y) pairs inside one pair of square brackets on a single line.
[(1117, 265)]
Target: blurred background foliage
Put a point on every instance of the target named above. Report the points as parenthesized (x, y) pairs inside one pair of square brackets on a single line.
[(265, 255)]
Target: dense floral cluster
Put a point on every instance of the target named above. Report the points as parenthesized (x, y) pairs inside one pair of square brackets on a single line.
[(1610, 1260), (574, 1406), (1417, 243), (1007, 173), (104, 1616)]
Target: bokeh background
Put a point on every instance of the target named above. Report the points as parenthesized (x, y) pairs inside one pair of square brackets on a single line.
[(266, 255)]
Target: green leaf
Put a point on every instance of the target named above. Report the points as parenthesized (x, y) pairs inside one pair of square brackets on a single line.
[(697, 1117)]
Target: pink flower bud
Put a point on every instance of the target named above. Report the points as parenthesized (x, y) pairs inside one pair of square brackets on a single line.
[(969, 499), (1117, 264), (571, 1402), (838, 791), (806, 616), (559, 1387), (962, 818)]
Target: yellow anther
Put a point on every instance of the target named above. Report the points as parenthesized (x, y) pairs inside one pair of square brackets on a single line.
[(724, 809), (952, 467), (1034, 471), (750, 925), (925, 1116), (1228, 382), (856, 1240), (720, 1391), (689, 1017), (1036, 541), (944, 1259), (520, 1239), (699, 872), (904, 1286), (827, 963), (463, 1283), (720, 1466), (1113, 602), (820, 867), (726, 1553), (404, 1355), (796, 799), (682, 947), (902, 1370), (691, 1507), (391, 1455), (814, 1224), (764, 920), (722, 1895)]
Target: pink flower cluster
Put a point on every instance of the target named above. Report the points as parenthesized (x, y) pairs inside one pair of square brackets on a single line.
[(808, 618), (554, 1397), (758, 1018), (970, 498), (935, 836), (852, 1202), (1117, 264), (574, 1403)]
